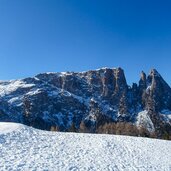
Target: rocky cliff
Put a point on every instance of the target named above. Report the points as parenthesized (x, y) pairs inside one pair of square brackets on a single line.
[(88, 100)]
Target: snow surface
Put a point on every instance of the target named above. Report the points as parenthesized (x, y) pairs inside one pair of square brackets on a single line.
[(11, 86), (166, 113), (26, 148), (144, 120), (6, 127)]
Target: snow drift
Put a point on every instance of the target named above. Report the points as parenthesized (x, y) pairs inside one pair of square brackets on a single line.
[(26, 148)]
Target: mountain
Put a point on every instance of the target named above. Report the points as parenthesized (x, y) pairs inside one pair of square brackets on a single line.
[(26, 148), (97, 101)]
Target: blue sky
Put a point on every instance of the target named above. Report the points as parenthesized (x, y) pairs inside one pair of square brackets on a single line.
[(77, 35)]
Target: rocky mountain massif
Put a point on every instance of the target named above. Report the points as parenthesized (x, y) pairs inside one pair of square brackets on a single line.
[(97, 101)]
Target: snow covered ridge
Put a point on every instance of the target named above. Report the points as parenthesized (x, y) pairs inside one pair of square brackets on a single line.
[(26, 148), (90, 99), (11, 86)]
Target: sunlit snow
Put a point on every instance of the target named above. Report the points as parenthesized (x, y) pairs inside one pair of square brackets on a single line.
[(26, 148)]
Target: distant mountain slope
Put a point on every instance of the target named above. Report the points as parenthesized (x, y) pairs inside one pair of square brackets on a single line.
[(90, 102), (26, 148)]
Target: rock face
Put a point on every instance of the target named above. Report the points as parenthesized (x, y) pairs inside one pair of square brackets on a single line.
[(65, 101)]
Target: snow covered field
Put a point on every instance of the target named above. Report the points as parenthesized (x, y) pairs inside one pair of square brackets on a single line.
[(25, 148)]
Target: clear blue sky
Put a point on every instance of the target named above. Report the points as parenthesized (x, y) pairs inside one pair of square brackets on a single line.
[(76, 35)]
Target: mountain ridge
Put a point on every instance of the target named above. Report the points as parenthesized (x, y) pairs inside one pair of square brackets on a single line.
[(89, 101), (84, 71)]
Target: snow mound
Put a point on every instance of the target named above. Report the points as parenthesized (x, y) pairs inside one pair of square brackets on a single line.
[(26, 148), (6, 127)]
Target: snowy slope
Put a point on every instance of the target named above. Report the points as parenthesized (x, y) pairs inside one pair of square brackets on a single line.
[(25, 148), (6, 127), (143, 119)]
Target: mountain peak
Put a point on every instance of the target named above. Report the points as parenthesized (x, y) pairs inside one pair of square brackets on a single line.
[(59, 99), (143, 76), (154, 72)]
